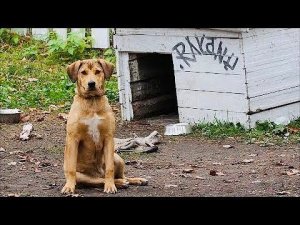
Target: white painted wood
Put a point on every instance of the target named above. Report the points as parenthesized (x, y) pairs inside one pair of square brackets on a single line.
[(207, 64), (100, 37), (176, 32), (124, 79), (291, 111), (210, 82), (80, 31), (164, 44), (264, 86), (275, 99), (40, 33), (61, 32), (261, 32), (21, 31), (194, 116), (237, 30), (212, 100)]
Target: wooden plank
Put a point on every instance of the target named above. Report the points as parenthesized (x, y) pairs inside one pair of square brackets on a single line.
[(21, 31), (154, 106), (210, 82), (195, 115), (209, 64), (150, 88), (281, 97), (212, 100), (100, 37), (61, 32), (236, 30), (80, 31), (176, 32), (268, 85), (291, 112), (261, 32), (40, 33), (165, 44)]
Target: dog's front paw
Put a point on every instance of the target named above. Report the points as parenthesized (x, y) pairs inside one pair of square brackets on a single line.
[(143, 182), (110, 187), (68, 189)]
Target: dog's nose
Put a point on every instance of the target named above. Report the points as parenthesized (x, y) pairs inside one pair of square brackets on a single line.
[(91, 84)]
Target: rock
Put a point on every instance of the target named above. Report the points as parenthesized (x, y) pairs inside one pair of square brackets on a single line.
[(227, 146)]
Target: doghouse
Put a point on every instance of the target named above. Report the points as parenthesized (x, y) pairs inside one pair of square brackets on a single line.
[(230, 74)]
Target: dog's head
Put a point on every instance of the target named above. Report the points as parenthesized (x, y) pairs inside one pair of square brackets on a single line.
[(90, 75)]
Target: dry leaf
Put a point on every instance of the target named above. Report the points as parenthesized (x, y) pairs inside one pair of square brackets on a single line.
[(37, 170), (283, 193), (248, 160), (15, 152), (256, 182), (227, 146), (55, 164), (187, 170), (32, 79), (200, 178), (217, 163), (2, 149), (13, 195), (27, 128), (220, 174), (170, 185), (292, 172), (25, 118), (12, 163), (253, 155)]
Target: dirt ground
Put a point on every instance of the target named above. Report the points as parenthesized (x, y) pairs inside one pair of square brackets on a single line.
[(183, 166)]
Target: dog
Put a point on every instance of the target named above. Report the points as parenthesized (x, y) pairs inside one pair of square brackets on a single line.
[(89, 155)]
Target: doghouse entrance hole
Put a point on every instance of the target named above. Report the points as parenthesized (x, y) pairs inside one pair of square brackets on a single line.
[(152, 84)]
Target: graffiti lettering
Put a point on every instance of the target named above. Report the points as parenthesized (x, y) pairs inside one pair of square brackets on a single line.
[(187, 57)]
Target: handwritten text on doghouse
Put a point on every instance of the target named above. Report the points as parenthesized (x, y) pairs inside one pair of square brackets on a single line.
[(204, 46)]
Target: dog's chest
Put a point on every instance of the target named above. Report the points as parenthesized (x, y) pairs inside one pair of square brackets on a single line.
[(92, 124)]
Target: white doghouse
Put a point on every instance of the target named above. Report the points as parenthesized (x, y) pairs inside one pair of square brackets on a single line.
[(238, 75)]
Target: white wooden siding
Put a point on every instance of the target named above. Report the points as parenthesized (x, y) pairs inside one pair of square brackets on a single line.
[(194, 115), (272, 58)]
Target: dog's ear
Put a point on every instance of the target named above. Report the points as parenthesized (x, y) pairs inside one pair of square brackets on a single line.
[(107, 67), (73, 69)]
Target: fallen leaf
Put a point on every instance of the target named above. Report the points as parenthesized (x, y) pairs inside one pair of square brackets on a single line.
[(13, 195), (253, 155), (256, 182), (25, 118), (248, 160), (170, 185), (293, 130), (187, 170), (38, 136), (213, 173), (55, 164), (220, 174), (12, 163), (32, 79), (52, 108), (282, 155), (217, 163), (185, 175), (63, 116), (283, 193), (2, 149), (37, 170), (280, 163), (15, 152), (131, 162), (32, 109), (227, 146), (200, 178), (292, 172), (40, 118)]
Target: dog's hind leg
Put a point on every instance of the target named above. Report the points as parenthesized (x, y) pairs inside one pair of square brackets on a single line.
[(82, 178)]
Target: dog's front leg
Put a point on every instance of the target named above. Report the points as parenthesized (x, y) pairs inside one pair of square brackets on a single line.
[(70, 162), (109, 186)]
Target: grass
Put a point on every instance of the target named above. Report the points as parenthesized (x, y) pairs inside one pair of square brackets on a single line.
[(264, 133), (31, 78)]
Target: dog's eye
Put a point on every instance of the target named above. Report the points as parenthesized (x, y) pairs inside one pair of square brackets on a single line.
[(84, 72), (97, 71)]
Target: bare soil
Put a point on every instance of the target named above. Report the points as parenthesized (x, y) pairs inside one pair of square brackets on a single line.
[(183, 166)]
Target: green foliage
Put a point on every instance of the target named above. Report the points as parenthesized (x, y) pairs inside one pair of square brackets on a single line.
[(109, 55), (265, 131), (73, 48), (30, 76), (6, 36)]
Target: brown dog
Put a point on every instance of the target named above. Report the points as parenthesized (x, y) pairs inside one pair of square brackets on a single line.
[(89, 156)]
